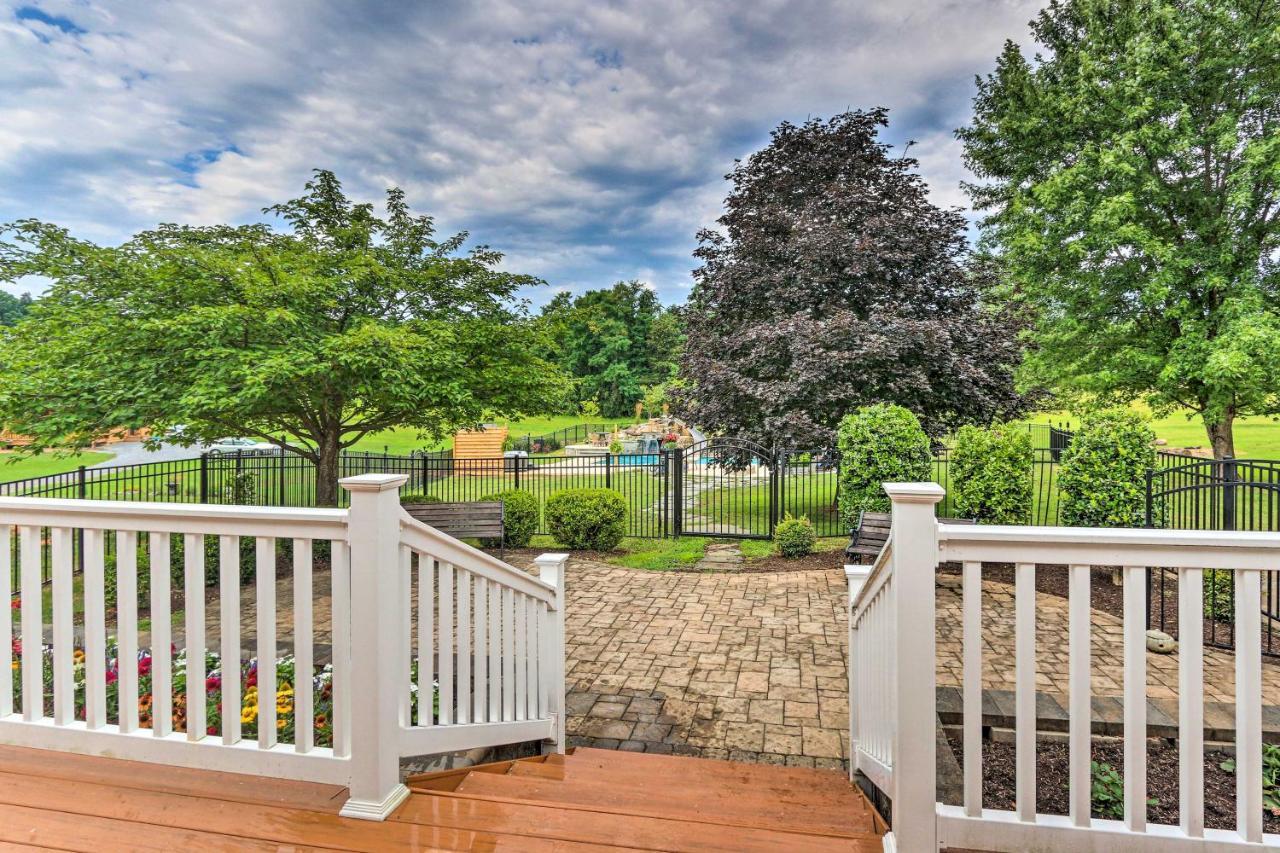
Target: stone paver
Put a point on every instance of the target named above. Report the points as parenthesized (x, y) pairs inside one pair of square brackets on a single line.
[(1051, 650), (721, 557), (749, 667)]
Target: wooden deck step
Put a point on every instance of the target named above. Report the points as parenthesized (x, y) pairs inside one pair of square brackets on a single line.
[(690, 802), (550, 821)]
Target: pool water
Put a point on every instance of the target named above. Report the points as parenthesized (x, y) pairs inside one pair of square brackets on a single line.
[(634, 459)]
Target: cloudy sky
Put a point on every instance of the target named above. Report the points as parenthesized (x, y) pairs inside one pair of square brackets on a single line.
[(586, 140)]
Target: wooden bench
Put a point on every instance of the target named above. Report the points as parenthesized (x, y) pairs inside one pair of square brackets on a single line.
[(867, 539), (468, 520)]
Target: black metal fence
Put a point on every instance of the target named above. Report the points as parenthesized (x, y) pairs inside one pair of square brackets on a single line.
[(561, 438)]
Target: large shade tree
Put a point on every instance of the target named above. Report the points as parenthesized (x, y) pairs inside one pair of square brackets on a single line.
[(834, 283), (1130, 175), (343, 324)]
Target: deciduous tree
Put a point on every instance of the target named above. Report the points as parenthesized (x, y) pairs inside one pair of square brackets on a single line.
[(310, 338), (1130, 173), (832, 283)]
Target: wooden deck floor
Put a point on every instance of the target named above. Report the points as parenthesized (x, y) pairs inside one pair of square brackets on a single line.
[(590, 800)]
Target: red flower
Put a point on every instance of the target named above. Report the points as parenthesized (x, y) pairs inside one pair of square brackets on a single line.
[(213, 682), (112, 676), (212, 730), (17, 602), (252, 680), (144, 666)]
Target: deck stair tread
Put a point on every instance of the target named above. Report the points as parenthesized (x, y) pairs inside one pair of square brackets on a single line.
[(651, 802)]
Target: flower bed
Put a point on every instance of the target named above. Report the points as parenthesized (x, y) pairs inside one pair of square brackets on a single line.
[(286, 678)]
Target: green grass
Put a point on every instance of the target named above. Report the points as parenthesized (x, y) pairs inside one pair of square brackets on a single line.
[(16, 466), (403, 439), (1256, 438)]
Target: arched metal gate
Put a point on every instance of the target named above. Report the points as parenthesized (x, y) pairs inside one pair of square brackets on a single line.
[(724, 487), (1214, 494)]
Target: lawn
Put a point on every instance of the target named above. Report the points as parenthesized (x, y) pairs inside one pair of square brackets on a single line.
[(16, 466), (1256, 438), (403, 440)]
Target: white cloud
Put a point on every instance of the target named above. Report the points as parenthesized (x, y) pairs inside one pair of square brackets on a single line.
[(586, 140)]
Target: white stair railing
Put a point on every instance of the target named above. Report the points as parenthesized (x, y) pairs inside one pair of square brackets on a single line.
[(490, 640), (899, 594)]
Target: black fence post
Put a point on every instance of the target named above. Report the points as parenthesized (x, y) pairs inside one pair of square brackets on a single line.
[(1150, 509), (82, 492), (774, 491), (519, 463), (1230, 476), (677, 491), (204, 478), (608, 470)]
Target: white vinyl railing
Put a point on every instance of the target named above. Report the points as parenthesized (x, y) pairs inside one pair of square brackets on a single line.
[(490, 640), (892, 680)]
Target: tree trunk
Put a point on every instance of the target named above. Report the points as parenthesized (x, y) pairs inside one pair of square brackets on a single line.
[(1221, 437), (327, 453)]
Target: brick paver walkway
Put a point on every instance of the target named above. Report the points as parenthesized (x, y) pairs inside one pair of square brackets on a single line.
[(1051, 649), (741, 666)]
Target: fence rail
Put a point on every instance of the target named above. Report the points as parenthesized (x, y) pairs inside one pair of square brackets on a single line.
[(173, 687), (887, 647)]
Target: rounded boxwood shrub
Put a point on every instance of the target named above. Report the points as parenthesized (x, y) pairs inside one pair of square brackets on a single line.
[(992, 474), (1103, 473), (587, 519), (794, 537), (1220, 595), (519, 517), (879, 444)]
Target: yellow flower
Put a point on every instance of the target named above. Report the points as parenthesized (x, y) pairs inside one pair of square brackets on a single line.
[(247, 717), (279, 724)]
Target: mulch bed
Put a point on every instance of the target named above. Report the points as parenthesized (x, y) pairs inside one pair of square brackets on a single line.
[(1052, 772), (820, 560)]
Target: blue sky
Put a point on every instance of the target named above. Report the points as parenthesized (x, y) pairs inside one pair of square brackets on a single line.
[(586, 140)]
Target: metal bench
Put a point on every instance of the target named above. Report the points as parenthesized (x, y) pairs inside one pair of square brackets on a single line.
[(468, 520), (867, 539)]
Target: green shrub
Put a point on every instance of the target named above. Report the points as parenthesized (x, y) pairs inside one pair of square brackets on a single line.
[(879, 444), (418, 498), (519, 517), (794, 537), (615, 447), (991, 474), (1220, 595), (1103, 474), (1270, 776), (1106, 793), (587, 519)]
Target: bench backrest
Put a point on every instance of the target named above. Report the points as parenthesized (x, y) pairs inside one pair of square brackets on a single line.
[(468, 520)]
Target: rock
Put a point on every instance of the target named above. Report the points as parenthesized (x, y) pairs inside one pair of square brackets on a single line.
[(1160, 442), (1160, 642)]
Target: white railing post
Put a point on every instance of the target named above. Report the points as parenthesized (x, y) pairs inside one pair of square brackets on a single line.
[(856, 577), (914, 532), (551, 569), (378, 673)]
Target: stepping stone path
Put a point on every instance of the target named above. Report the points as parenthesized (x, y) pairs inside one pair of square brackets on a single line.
[(721, 557)]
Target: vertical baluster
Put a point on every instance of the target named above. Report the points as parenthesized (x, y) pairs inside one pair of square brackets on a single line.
[(464, 647), (544, 640), (95, 630), (508, 654), (6, 620), (127, 628), (304, 670), (1025, 690), (229, 604), (1191, 702), (531, 658), (445, 645), (64, 688), (521, 685), (193, 600), (1079, 701), (1248, 615), (266, 589), (972, 689), (405, 649), (161, 635), (1135, 698), (495, 651), (479, 666), (426, 639), (32, 624), (340, 596)]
